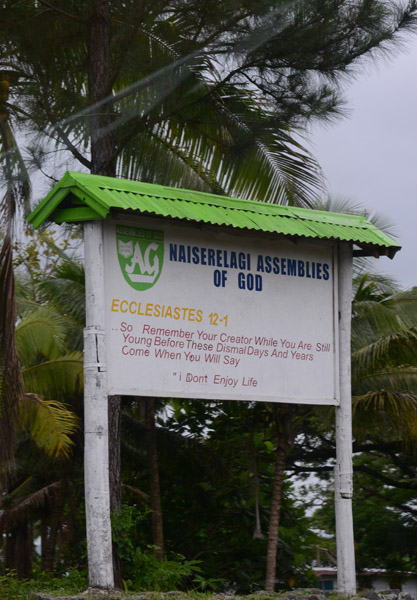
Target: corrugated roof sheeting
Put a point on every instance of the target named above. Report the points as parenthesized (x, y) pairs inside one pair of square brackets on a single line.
[(113, 195)]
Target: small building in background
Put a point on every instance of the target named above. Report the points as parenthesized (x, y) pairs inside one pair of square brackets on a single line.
[(370, 579)]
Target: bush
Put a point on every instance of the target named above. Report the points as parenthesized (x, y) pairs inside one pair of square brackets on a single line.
[(142, 571), (12, 588)]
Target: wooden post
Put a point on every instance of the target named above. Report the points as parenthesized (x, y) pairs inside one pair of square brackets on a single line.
[(346, 575), (96, 447)]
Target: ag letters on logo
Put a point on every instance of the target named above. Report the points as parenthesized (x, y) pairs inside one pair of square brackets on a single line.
[(141, 255)]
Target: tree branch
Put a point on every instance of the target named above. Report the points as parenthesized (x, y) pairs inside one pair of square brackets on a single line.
[(387, 480), (62, 12), (84, 161)]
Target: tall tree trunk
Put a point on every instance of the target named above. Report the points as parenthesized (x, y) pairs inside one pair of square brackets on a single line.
[(115, 414), (155, 492), (257, 534), (271, 559), (100, 87), (18, 550), (12, 387), (49, 540)]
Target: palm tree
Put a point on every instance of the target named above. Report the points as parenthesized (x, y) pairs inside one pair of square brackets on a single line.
[(199, 131), (44, 439), (384, 399), (384, 349), (161, 124), (384, 360), (199, 134), (15, 194)]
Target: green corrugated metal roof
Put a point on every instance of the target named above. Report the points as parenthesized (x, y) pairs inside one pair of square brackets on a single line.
[(81, 197)]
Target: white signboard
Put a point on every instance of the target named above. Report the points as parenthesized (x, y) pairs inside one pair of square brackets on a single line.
[(193, 313)]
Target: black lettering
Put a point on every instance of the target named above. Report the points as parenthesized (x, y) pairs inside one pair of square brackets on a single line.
[(292, 266), (173, 252), (260, 263)]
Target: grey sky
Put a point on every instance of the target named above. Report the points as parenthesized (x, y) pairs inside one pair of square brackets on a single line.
[(370, 157)]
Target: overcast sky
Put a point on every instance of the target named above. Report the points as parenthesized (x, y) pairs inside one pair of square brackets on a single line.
[(370, 157)]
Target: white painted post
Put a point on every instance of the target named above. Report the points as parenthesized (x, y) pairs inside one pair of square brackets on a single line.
[(346, 575), (96, 447)]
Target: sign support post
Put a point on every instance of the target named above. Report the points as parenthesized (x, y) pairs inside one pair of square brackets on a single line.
[(346, 576), (96, 447)]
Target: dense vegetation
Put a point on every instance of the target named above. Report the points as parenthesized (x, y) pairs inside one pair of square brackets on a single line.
[(216, 460), (214, 96)]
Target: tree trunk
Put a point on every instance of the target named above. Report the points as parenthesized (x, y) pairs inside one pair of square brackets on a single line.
[(99, 86), (50, 530), (18, 550), (12, 387), (155, 492), (257, 534), (271, 559), (115, 414)]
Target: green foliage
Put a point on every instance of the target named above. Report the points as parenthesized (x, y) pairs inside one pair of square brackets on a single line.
[(142, 571), (74, 582), (385, 524), (202, 95), (41, 499), (384, 362), (384, 386), (13, 588), (223, 469)]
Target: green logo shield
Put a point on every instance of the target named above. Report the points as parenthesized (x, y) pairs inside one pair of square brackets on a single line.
[(141, 255)]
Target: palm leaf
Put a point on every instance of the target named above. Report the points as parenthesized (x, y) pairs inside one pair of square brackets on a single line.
[(381, 411), (399, 348), (23, 497), (50, 424), (388, 378), (59, 378), (40, 335), (230, 153), (65, 290)]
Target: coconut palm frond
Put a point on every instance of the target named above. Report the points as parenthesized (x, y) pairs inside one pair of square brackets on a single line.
[(50, 424), (220, 140), (58, 378), (399, 348), (404, 305), (25, 302), (280, 172), (23, 497), (384, 361), (386, 378), (142, 496), (369, 286), (379, 412), (372, 320), (40, 335), (37, 499), (270, 167), (65, 290)]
